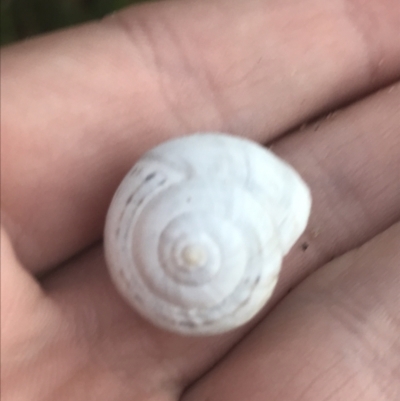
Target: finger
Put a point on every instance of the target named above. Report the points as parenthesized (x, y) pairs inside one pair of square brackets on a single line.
[(335, 337), (351, 160), (28, 325), (20, 294), (110, 332), (83, 104)]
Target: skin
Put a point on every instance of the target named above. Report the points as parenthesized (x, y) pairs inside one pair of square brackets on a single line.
[(80, 106)]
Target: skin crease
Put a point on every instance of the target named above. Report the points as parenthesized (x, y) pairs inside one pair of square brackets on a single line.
[(78, 108)]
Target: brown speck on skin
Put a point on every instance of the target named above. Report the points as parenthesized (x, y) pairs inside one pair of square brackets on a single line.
[(289, 290), (304, 246)]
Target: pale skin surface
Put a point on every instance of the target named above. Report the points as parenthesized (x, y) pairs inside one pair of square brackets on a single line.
[(79, 107)]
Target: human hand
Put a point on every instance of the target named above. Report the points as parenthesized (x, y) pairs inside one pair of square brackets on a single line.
[(80, 106)]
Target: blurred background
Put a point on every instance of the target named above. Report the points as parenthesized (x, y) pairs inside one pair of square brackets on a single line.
[(24, 18)]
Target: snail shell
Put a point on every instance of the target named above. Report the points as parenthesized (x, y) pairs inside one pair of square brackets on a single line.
[(197, 230)]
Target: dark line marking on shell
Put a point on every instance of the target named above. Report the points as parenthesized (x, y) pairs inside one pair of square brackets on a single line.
[(126, 235), (119, 220), (187, 323), (243, 303), (135, 170), (162, 182), (129, 200), (150, 176), (210, 322), (183, 168)]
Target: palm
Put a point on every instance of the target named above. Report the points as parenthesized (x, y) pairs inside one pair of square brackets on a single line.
[(173, 68)]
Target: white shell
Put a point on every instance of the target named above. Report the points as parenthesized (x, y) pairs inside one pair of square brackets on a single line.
[(197, 230)]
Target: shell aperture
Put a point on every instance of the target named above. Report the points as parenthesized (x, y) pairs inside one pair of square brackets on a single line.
[(197, 230)]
